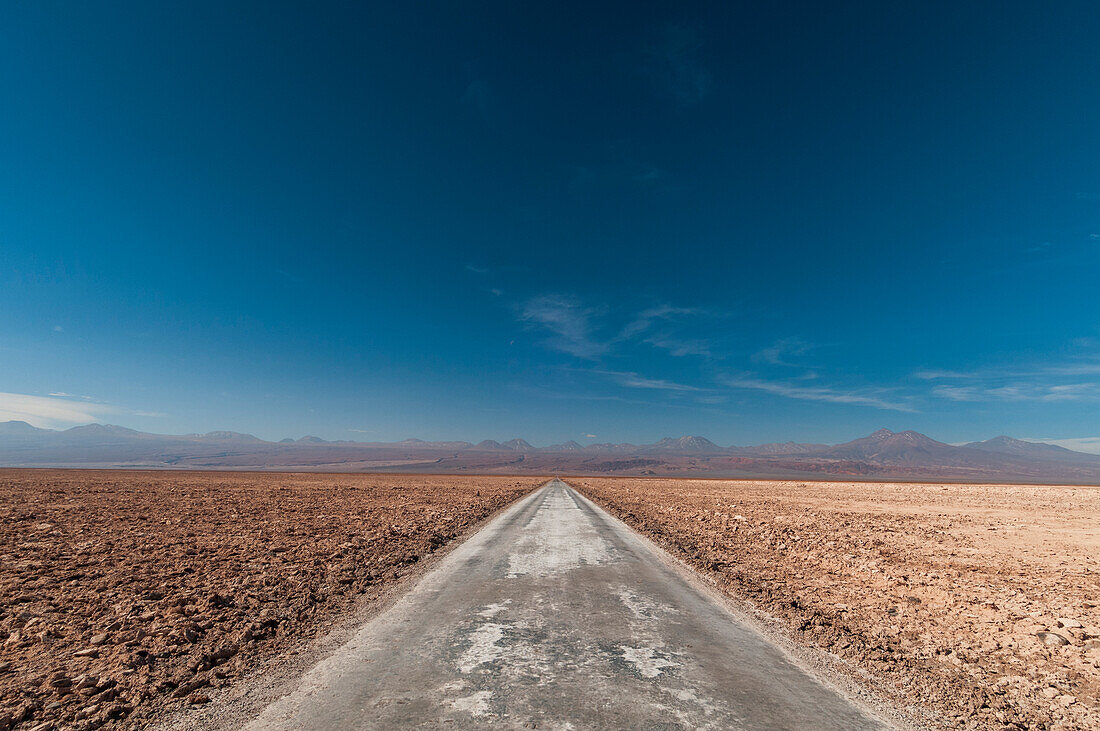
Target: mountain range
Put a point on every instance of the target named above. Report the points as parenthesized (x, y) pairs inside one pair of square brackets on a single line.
[(881, 455)]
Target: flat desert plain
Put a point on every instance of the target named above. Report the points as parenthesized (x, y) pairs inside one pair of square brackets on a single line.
[(125, 594), (973, 606)]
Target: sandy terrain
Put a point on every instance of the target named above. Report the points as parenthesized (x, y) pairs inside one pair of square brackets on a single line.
[(125, 593), (976, 606)]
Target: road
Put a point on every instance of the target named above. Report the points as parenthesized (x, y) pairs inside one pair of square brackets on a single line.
[(556, 615)]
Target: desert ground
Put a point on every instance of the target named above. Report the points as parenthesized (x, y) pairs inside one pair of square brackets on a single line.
[(129, 596), (124, 595), (973, 606)]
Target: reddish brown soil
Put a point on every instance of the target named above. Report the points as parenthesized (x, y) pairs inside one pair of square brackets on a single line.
[(944, 596), (124, 593)]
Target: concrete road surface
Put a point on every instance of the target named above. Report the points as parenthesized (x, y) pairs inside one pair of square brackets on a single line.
[(557, 616)]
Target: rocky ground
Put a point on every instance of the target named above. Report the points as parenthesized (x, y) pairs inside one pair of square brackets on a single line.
[(123, 594), (975, 606)]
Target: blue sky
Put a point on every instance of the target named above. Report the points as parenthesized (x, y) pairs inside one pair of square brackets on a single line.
[(470, 220)]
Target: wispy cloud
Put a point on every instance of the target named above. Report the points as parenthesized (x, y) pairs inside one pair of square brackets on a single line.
[(645, 319), (1021, 392), (782, 351), (633, 380), (874, 397), (1082, 367), (577, 326), (658, 325), (680, 348), (51, 412), (1066, 379), (569, 321)]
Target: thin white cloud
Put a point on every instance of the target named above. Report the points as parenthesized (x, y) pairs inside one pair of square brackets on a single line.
[(51, 412), (1071, 375), (1067, 369), (681, 348), (633, 380), (781, 351), (646, 318), (569, 321), (1020, 392), (876, 398), (60, 410)]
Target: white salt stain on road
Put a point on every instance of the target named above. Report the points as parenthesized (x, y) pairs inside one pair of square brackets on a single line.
[(641, 607), (476, 705), (645, 660), (554, 543), (492, 610), (483, 648)]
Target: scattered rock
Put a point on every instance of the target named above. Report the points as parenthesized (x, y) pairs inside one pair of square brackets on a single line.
[(198, 698), (1052, 639), (1068, 623), (98, 639)]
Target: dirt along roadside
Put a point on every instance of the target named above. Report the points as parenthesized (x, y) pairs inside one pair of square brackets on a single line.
[(975, 606), (126, 594)]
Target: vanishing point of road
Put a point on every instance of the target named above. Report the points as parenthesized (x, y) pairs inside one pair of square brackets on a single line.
[(556, 615)]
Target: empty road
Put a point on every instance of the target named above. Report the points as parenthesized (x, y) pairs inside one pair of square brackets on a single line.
[(557, 616)]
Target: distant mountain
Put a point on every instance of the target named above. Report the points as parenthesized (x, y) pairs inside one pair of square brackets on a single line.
[(893, 447), (776, 449), (694, 445), (224, 436), (106, 430), (1033, 450), (606, 447), (19, 428), (569, 446), (882, 455)]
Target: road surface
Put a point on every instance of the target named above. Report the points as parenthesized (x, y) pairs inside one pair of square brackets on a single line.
[(557, 616)]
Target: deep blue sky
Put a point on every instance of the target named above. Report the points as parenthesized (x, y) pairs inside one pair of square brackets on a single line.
[(755, 222)]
